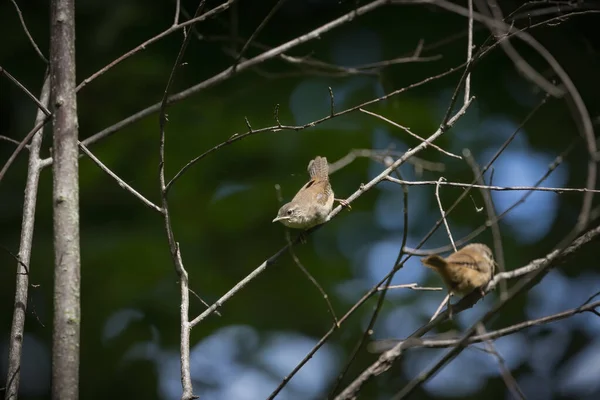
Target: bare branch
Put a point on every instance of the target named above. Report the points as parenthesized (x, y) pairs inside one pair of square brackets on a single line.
[(440, 307), (442, 341), (120, 181), (491, 212), (469, 51), (407, 130), (22, 280), (442, 212), (311, 278), (384, 157), (256, 32), (21, 146), (24, 25), (495, 188), (13, 141), (40, 105), (412, 286), (173, 28), (185, 327)]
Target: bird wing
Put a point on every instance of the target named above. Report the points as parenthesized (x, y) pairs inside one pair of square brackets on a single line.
[(314, 190), (323, 193), (464, 260)]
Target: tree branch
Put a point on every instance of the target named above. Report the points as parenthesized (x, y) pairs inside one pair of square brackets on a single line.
[(27, 226)]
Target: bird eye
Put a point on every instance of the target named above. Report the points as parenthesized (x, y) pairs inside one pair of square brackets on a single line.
[(289, 212)]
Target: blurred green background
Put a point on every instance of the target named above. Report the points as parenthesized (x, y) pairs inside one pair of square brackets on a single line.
[(223, 206)]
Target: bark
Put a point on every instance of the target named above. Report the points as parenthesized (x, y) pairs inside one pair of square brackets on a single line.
[(23, 268), (65, 197)]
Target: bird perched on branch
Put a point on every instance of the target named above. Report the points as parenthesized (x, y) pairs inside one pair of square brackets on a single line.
[(313, 202), (470, 268)]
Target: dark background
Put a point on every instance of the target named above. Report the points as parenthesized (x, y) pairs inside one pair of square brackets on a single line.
[(222, 207)]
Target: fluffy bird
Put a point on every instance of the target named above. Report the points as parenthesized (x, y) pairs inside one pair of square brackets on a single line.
[(470, 268)]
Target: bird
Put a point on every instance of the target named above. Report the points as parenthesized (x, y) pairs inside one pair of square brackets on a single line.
[(313, 202), (470, 268)]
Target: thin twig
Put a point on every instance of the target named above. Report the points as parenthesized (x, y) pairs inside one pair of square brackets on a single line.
[(24, 25), (241, 284), (120, 181), (185, 327), (6, 138), (491, 212), (519, 62), (40, 105), (412, 286), (315, 66), (177, 11), (509, 379), (442, 212), (494, 188), (311, 278), (407, 130), (21, 146), (444, 342), (381, 156), (204, 303), (469, 51), (438, 310), (256, 32), (209, 14)]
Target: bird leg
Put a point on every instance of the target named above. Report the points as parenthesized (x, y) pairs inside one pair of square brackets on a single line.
[(303, 237), (450, 311), (344, 203)]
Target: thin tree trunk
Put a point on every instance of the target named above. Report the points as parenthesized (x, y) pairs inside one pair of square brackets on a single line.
[(65, 197), (22, 285)]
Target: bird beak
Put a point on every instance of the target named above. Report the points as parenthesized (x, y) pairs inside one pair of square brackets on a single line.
[(277, 219)]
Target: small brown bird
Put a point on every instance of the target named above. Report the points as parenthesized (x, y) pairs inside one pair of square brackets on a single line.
[(470, 268), (313, 202)]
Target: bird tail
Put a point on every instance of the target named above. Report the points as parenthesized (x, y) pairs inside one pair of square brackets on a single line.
[(434, 262), (318, 168)]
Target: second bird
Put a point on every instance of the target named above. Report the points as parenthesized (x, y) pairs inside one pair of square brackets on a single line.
[(469, 268), (313, 202)]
